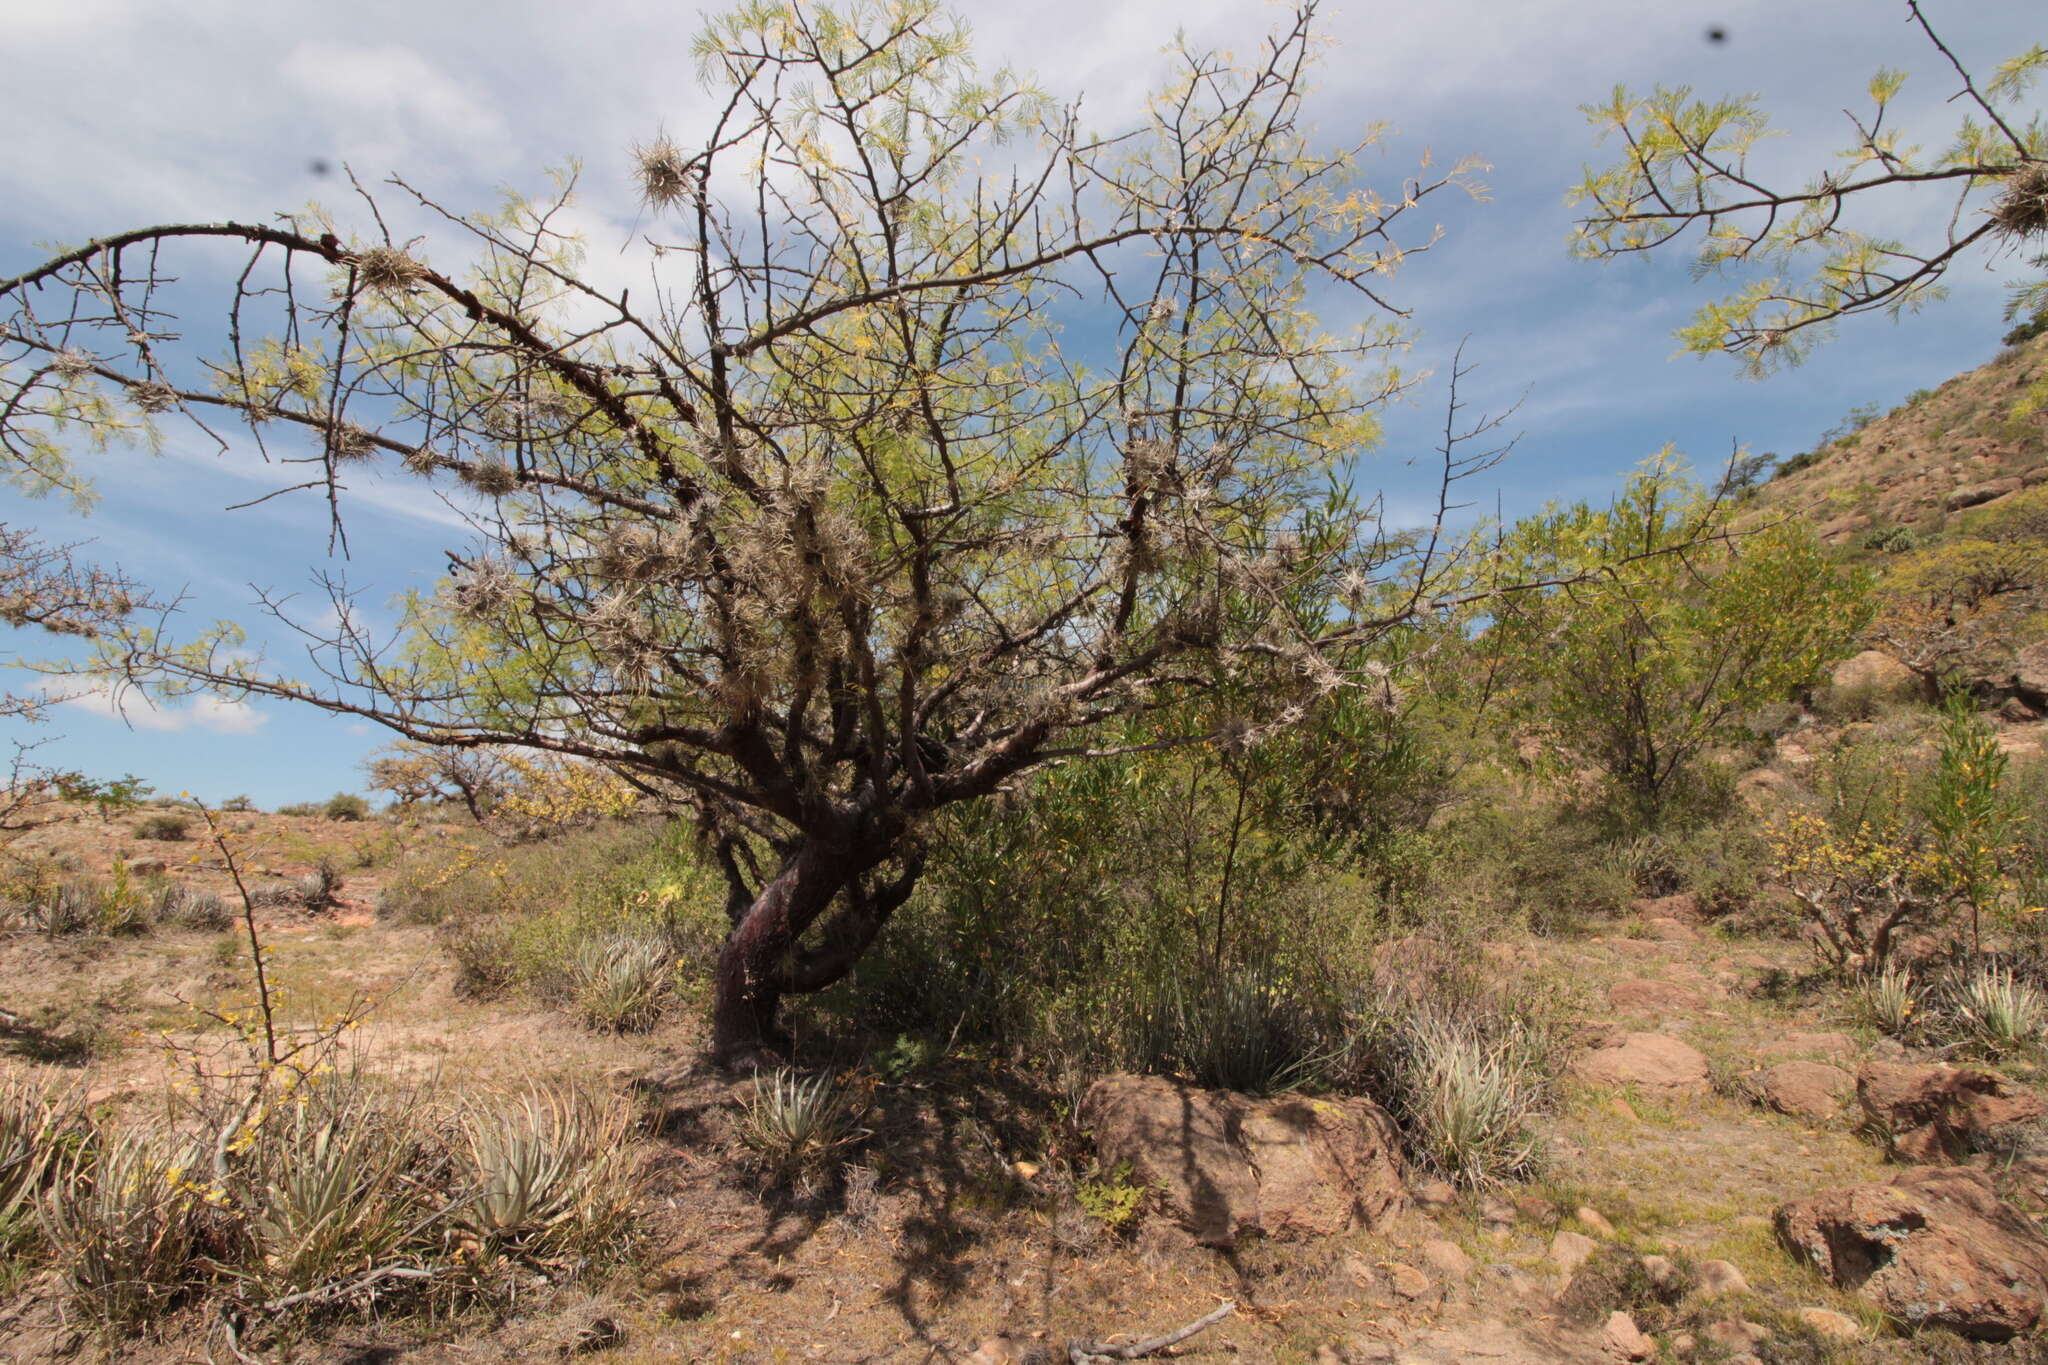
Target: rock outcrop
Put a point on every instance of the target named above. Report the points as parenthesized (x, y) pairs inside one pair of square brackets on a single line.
[(1934, 1113), (1935, 1248), (1805, 1090), (1228, 1166), (1654, 1062)]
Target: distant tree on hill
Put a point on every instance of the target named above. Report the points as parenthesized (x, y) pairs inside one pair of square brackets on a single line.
[(1634, 667), (1684, 172)]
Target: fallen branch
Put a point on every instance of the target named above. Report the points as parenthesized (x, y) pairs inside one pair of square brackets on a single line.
[(1083, 1352)]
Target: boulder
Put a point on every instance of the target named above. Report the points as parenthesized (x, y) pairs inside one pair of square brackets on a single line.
[(1669, 929), (1646, 996), (1936, 1247), (1229, 1166), (1407, 1281), (1804, 1090), (1654, 1062), (1977, 494), (1683, 905), (1570, 1250), (1447, 1259), (1626, 1340), (1823, 1044), (2030, 675), (1879, 676), (1826, 1322), (1934, 1112), (1720, 1277)]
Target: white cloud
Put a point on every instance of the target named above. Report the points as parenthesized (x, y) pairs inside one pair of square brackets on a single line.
[(214, 714)]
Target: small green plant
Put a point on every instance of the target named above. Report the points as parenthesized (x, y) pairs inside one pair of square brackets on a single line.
[(1473, 1100), (238, 804), (164, 827), (345, 806), (1971, 817), (906, 1057), (1111, 1197), (621, 981), (798, 1125), (2001, 1012), (1889, 1001)]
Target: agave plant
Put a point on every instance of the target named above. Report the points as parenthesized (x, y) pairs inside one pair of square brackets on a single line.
[(550, 1172), (797, 1124), (40, 1128), (1890, 1002), (331, 1187), (2001, 1012), (1472, 1100), (125, 1222), (621, 981)]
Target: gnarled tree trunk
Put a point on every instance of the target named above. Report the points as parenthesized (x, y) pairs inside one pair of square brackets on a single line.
[(767, 955)]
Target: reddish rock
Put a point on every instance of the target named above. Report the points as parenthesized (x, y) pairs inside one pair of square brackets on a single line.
[(1228, 1165), (1933, 1112), (2030, 675), (1809, 1044), (1626, 1340), (1684, 905), (1804, 1090), (1653, 1062), (1878, 675), (1667, 929), (1935, 1248)]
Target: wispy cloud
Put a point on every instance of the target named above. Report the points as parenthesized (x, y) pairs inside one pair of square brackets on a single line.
[(214, 714)]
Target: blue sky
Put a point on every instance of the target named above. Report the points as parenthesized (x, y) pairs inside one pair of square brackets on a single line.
[(130, 112)]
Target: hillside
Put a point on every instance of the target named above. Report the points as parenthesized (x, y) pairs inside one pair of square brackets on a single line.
[(1936, 454)]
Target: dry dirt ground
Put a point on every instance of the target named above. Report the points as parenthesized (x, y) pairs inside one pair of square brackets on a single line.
[(947, 1252)]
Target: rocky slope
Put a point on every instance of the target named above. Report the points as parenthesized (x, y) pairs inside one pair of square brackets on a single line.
[(1938, 453)]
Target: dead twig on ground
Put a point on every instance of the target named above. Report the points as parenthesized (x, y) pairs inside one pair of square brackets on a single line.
[(1085, 1352)]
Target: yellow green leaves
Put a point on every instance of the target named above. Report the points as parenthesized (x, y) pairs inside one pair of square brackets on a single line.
[(1683, 172)]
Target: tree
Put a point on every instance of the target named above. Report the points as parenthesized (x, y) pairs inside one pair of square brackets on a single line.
[(821, 528), (1684, 168), (1954, 612), (1638, 661)]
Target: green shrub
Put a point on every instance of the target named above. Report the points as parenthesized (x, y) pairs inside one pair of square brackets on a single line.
[(1240, 1027), (332, 1186), (1473, 1100), (165, 826), (345, 806), (1889, 1001)]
